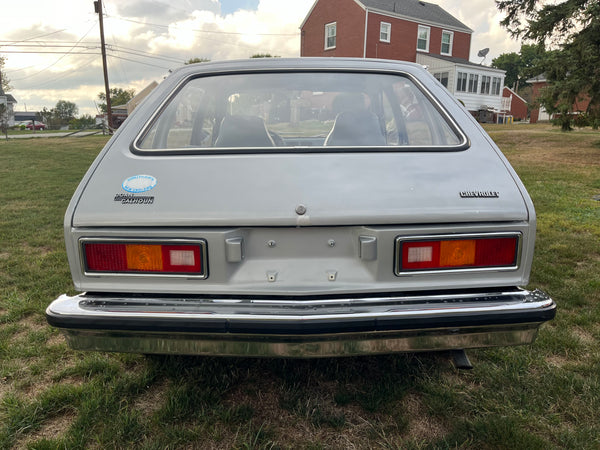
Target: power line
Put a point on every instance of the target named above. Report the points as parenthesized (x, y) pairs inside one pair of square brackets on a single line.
[(140, 54), (63, 75), (49, 44), (39, 36), (119, 65), (49, 53), (85, 46), (63, 56), (138, 62), (139, 22)]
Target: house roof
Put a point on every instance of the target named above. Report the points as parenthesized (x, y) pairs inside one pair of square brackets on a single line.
[(515, 94), (424, 12), (9, 98), (541, 78), (463, 62)]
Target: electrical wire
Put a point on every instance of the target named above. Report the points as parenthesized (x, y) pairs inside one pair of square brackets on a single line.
[(59, 59), (139, 22), (138, 62), (63, 76), (50, 48)]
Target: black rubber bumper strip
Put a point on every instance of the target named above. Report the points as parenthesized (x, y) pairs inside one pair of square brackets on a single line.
[(304, 326)]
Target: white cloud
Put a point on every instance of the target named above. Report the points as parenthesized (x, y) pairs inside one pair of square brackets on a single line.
[(483, 18)]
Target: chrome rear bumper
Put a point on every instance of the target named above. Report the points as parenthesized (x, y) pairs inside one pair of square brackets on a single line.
[(312, 327)]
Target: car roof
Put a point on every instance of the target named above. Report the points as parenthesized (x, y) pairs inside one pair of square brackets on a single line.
[(259, 64)]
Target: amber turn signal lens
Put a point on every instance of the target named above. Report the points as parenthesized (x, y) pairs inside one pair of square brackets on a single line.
[(457, 253), (145, 258)]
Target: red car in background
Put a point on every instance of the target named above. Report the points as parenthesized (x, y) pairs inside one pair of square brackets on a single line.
[(38, 126)]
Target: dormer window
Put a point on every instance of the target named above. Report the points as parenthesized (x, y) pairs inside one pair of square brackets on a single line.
[(423, 38)]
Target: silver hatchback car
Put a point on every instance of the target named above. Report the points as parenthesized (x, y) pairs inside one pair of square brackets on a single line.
[(300, 208)]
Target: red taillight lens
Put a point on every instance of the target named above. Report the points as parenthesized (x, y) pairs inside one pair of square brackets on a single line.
[(457, 253), (135, 257)]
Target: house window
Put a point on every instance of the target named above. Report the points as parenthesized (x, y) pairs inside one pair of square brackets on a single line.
[(473, 81), (447, 38), (330, 35), (442, 77), (485, 84), (496, 85), (385, 32), (423, 38), (461, 83)]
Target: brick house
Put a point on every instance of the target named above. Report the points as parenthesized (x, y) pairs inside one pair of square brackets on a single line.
[(407, 30), (539, 113)]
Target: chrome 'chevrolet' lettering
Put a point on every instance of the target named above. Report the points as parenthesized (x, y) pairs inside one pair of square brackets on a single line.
[(479, 194)]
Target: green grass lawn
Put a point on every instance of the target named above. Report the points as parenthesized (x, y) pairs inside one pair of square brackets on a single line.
[(544, 396)]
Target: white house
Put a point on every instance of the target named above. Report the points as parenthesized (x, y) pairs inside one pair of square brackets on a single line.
[(9, 101), (478, 87)]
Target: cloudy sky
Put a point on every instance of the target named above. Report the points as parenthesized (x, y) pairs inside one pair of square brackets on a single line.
[(52, 48)]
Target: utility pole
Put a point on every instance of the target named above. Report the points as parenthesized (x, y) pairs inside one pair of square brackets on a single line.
[(98, 9)]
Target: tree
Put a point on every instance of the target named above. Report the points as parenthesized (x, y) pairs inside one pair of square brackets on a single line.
[(520, 66), (48, 116), (3, 120), (85, 121), (196, 60), (511, 63), (263, 55), (5, 85), (118, 97), (65, 111), (572, 29)]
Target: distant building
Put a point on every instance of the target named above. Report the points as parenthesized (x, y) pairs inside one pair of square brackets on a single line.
[(9, 101), (478, 87), (121, 112), (24, 116), (407, 30), (539, 113)]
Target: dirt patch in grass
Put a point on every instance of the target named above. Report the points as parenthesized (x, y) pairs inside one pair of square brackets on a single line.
[(421, 425), (584, 336), (38, 252), (312, 417), (152, 399), (5, 387), (56, 340), (52, 428), (558, 361), (33, 323)]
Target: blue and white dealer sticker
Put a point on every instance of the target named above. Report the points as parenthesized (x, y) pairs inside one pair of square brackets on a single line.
[(139, 183)]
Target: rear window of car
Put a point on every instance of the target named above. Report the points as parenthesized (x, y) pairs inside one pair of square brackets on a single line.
[(311, 111)]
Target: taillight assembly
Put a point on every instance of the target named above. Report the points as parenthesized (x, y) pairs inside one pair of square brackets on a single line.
[(456, 252), (149, 257)]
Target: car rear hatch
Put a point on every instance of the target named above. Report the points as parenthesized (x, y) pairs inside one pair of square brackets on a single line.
[(311, 189)]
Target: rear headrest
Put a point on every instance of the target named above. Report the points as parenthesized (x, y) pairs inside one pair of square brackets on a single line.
[(356, 128)]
